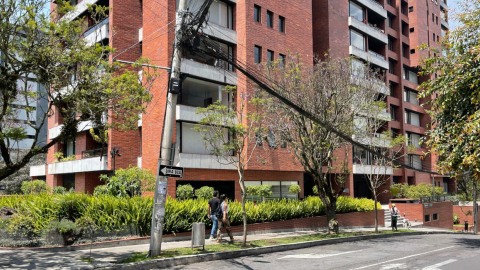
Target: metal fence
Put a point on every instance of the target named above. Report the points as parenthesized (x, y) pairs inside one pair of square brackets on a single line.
[(437, 198)]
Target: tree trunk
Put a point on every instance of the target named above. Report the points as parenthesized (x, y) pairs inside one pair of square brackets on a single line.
[(244, 199), (475, 230), (331, 208), (376, 213)]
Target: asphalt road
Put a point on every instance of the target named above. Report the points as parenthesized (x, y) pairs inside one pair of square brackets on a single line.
[(427, 252)]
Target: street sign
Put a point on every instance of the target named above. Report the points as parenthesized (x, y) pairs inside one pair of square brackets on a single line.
[(171, 171)]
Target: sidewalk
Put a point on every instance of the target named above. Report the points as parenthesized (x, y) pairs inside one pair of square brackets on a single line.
[(34, 259)]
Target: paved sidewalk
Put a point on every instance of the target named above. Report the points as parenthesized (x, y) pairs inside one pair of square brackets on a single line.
[(36, 259)]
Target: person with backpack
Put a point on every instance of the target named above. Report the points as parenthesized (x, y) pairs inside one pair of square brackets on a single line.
[(213, 208), (223, 220)]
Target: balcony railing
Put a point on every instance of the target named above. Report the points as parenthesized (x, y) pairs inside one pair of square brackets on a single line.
[(94, 153), (379, 56), (376, 3), (96, 26)]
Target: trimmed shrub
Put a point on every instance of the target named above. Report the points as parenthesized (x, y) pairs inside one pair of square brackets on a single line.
[(265, 191), (85, 226), (22, 226), (184, 192), (414, 192), (251, 190), (60, 232), (133, 181), (59, 190), (36, 186), (204, 192), (294, 189)]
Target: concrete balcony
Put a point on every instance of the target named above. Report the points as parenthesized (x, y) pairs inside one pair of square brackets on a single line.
[(372, 169), (445, 24), (221, 32), (378, 140), (98, 33), (39, 170), (140, 34), (369, 57), (379, 85), (187, 113), (369, 30), (198, 161), (375, 7), (82, 126), (139, 162), (78, 166), (210, 72), (80, 8), (443, 4)]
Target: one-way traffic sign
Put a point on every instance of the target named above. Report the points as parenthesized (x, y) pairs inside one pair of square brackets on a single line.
[(170, 171)]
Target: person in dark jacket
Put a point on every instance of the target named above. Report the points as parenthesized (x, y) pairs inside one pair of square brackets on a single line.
[(213, 205)]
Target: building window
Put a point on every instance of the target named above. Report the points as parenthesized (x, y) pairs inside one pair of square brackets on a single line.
[(281, 60), (257, 13), (433, 17), (269, 19), (357, 40), (415, 161), (436, 20), (270, 57), (414, 139), (279, 189), (412, 29), (410, 76), (394, 132), (412, 51), (389, 22), (435, 216), (396, 179), (390, 68), (281, 24), (356, 11), (412, 118), (405, 51), (392, 89), (433, 37), (390, 44), (393, 115), (258, 54), (427, 218), (410, 9)]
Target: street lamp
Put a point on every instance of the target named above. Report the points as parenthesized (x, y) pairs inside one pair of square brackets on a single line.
[(114, 153)]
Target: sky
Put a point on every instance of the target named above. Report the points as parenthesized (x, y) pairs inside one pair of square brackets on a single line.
[(453, 4)]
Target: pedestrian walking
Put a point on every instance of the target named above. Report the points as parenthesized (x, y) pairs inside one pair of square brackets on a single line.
[(213, 208), (224, 222), (395, 213)]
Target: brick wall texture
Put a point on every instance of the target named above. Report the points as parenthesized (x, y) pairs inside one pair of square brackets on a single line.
[(312, 28), (444, 210)]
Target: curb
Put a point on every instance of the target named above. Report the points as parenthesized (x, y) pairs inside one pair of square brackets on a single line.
[(184, 260)]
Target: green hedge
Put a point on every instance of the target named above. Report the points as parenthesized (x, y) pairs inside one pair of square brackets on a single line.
[(113, 213)]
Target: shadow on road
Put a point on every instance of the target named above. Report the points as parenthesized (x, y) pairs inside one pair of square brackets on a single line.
[(470, 242)]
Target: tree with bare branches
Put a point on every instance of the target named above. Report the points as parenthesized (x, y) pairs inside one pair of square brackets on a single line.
[(234, 133), (336, 92)]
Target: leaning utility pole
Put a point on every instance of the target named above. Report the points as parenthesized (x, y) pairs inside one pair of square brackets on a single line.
[(158, 215)]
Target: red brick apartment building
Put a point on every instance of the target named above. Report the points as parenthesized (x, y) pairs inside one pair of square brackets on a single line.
[(383, 32)]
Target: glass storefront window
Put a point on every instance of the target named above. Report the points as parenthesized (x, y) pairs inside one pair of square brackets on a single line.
[(279, 189)]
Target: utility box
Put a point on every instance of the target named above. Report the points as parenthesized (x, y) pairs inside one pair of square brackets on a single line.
[(198, 235)]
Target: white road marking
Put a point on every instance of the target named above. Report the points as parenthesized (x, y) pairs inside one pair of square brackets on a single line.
[(435, 266), (403, 258), (316, 256), (394, 266)]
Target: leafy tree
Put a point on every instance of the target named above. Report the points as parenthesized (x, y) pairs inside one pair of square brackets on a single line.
[(50, 49), (234, 133), (334, 92), (133, 181), (204, 192), (184, 192), (454, 97), (294, 189)]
